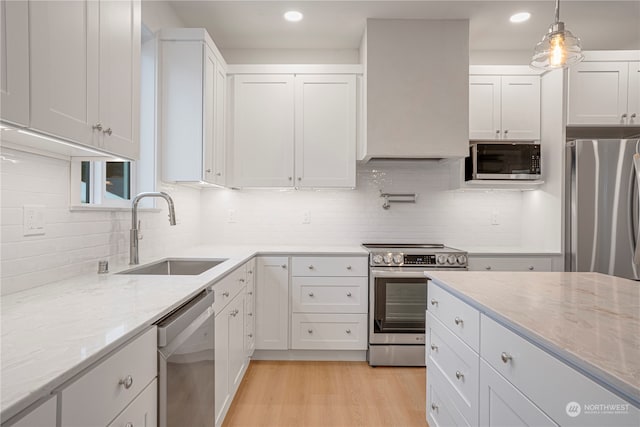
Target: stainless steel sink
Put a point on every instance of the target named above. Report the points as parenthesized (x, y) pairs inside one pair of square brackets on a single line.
[(176, 267)]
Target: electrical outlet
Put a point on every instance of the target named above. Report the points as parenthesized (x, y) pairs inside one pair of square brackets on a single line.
[(495, 217), (231, 216), (306, 217), (33, 220)]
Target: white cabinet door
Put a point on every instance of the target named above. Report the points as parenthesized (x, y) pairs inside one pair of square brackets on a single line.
[(272, 303), (237, 358), (208, 116), (263, 130), (222, 374), (501, 404), (325, 140), (598, 93), (484, 107), (120, 76), (219, 131), (14, 62), (64, 50), (43, 415), (142, 412), (634, 93), (520, 106)]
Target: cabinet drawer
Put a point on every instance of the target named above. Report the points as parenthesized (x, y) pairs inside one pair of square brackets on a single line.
[(523, 365), (226, 289), (462, 319), (509, 264), (142, 412), (441, 411), (97, 396), (458, 363), (329, 266), (329, 294), (37, 415), (329, 331)]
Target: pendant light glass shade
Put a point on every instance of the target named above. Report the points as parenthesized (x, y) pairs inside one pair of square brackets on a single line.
[(559, 48)]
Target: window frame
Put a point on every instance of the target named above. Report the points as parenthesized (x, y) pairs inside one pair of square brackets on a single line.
[(98, 184)]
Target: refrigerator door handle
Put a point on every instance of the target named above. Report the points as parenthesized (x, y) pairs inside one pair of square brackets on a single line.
[(636, 165)]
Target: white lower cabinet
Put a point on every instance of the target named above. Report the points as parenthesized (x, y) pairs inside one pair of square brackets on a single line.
[(312, 331), (510, 263), (509, 381), (42, 415), (250, 309), (501, 404), (272, 303), (142, 412), (99, 395)]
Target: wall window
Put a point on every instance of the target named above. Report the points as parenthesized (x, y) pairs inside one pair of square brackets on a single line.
[(102, 183)]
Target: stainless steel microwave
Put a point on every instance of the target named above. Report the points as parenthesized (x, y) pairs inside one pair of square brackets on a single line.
[(503, 160)]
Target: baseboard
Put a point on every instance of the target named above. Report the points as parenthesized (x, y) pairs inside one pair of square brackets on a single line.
[(319, 355)]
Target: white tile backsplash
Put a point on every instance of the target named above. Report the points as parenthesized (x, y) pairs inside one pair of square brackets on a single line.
[(76, 240), (456, 218)]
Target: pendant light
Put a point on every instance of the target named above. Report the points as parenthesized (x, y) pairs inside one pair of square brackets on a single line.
[(559, 48)]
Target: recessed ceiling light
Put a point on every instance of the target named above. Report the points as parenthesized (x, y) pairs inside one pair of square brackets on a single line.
[(293, 16), (520, 17)]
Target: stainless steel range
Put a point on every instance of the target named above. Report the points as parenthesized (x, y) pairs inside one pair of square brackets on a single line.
[(398, 298)]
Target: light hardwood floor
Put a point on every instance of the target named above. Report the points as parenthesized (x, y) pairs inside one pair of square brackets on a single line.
[(340, 394)]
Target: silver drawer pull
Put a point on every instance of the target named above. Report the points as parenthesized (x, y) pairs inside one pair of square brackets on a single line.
[(241, 280), (127, 382), (434, 407), (348, 331), (225, 294), (348, 294), (311, 294), (250, 292), (348, 267), (234, 313), (310, 267), (250, 271), (531, 268), (434, 302), (458, 321), (488, 267), (310, 331), (434, 347), (284, 266), (249, 314), (459, 375), (97, 126), (250, 335), (128, 425), (506, 357)]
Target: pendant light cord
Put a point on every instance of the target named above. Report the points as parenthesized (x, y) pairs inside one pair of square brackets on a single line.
[(557, 11)]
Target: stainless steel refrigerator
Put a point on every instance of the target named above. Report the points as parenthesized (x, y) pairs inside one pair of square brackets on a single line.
[(602, 206)]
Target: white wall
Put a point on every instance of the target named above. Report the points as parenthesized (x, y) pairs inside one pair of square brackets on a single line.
[(459, 219)]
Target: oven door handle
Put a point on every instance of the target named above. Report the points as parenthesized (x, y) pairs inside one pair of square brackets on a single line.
[(397, 273)]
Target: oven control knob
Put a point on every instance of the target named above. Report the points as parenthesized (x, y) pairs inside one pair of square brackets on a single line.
[(451, 259), (398, 259), (442, 259), (387, 259), (377, 259), (462, 259)]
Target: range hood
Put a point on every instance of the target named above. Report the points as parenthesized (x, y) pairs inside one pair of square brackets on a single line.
[(415, 88)]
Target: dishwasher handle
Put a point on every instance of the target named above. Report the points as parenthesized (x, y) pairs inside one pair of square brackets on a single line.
[(172, 325)]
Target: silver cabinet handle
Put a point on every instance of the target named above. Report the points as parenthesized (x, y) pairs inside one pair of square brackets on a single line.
[(284, 266), (290, 178), (506, 357), (624, 116), (434, 407), (128, 425), (311, 294), (250, 292), (127, 382), (498, 132), (348, 331), (250, 335), (234, 313), (299, 178), (459, 375), (348, 267), (249, 314), (531, 268), (208, 171), (506, 131), (310, 331), (241, 280), (633, 115), (97, 126), (108, 131), (348, 294), (225, 294), (434, 347), (434, 301), (310, 267), (488, 267), (458, 320), (249, 271)]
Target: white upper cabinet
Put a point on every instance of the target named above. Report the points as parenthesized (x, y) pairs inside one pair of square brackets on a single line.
[(504, 107), (325, 131), (263, 130), (192, 92), (294, 130), (417, 80), (84, 68), (14, 62), (605, 89)]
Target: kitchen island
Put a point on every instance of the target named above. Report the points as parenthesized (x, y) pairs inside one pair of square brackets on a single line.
[(566, 344)]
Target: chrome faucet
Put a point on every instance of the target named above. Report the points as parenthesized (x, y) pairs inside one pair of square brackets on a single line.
[(133, 244)]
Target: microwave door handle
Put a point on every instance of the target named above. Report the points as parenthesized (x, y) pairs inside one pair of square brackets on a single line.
[(636, 165)]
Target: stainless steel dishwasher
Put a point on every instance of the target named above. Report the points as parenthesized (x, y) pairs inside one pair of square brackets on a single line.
[(186, 363)]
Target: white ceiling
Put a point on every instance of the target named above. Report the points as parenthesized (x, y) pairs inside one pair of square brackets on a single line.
[(239, 24)]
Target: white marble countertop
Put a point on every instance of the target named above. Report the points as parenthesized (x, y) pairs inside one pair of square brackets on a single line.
[(589, 320), (52, 332)]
